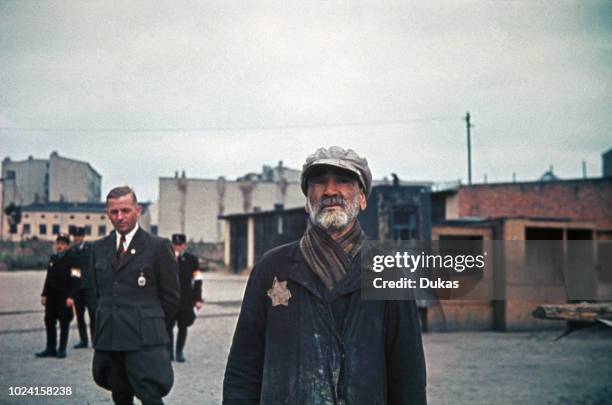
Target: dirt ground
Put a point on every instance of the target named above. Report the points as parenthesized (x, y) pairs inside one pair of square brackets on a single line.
[(463, 368)]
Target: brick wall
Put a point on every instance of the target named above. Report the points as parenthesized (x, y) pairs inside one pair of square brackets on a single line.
[(584, 200)]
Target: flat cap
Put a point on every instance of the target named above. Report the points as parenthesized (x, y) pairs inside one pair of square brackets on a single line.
[(78, 231), (336, 156), (179, 238)]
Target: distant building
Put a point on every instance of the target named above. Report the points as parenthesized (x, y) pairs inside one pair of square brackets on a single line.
[(45, 221), (607, 163), (57, 179), (192, 206)]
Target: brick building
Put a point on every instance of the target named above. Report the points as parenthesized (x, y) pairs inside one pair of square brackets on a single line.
[(565, 211)]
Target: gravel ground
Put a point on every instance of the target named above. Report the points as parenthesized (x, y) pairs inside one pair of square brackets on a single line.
[(463, 368)]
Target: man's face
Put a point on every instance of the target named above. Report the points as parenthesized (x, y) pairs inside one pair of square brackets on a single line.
[(180, 248), (123, 213), (61, 246), (334, 199), (78, 239)]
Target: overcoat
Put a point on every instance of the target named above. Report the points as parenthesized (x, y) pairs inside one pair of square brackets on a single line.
[(298, 343)]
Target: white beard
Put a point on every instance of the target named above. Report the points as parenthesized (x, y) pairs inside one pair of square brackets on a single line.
[(337, 219)]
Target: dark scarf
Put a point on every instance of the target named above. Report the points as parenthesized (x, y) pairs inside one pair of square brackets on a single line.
[(330, 259)]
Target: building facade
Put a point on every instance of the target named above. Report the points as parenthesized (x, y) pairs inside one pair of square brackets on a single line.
[(192, 206), (45, 221), (38, 181)]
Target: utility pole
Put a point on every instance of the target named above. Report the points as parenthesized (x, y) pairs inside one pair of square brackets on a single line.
[(469, 147), (584, 170)]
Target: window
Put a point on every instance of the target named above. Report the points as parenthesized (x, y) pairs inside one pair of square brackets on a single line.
[(102, 217), (26, 229), (42, 215), (86, 216), (56, 229), (42, 229), (27, 216), (71, 216), (101, 230), (88, 230)]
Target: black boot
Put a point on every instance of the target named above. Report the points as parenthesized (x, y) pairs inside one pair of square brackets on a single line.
[(64, 328), (50, 351), (81, 345), (46, 353), (180, 343)]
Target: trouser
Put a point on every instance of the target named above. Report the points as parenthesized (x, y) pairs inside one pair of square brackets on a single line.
[(56, 310), (50, 326), (181, 338), (85, 298), (146, 374)]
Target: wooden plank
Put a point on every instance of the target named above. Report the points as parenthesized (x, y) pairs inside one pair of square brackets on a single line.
[(584, 312)]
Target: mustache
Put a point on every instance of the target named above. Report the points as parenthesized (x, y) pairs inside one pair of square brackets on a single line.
[(330, 201)]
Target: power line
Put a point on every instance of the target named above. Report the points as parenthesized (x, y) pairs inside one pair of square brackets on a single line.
[(231, 128)]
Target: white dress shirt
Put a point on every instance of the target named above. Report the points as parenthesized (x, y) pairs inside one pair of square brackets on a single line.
[(128, 237)]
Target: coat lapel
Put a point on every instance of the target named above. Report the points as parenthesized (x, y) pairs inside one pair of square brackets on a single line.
[(110, 247), (133, 250), (301, 273)]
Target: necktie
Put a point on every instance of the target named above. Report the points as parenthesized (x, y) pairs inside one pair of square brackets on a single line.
[(121, 249)]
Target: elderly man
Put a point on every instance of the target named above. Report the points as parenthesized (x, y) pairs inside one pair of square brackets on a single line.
[(136, 280), (304, 335)]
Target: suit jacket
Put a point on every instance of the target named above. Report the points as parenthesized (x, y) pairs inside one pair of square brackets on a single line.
[(138, 295)]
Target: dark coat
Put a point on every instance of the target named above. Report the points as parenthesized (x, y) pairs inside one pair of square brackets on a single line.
[(296, 354), (80, 258), (58, 282), (130, 316), (191, 289), (59, 285)]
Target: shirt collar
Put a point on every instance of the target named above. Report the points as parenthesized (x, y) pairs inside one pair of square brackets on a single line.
[(128, 237)]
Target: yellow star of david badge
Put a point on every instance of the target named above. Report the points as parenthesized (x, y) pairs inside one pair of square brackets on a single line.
[(279, 293)]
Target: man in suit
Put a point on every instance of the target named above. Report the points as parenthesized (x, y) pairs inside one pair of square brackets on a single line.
[(191, 294), (56, 298), (84, 295), (136, 281)]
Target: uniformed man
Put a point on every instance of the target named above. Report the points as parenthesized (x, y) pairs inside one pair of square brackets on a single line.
[(84, 296), (136, 281), (56, 299), (191, 294)]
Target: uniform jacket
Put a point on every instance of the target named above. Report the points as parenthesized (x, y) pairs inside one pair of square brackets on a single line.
[(296, 354), (80, 258), (58, 282), (129, 315), (191, 288)]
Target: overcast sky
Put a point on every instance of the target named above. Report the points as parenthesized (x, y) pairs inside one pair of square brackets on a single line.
[(223, 87)]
